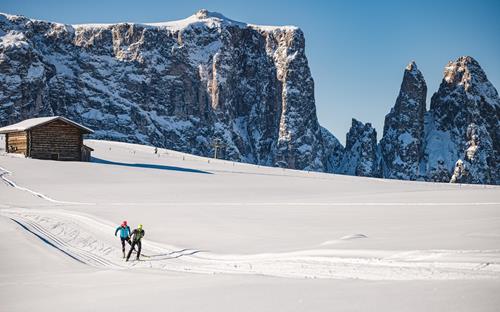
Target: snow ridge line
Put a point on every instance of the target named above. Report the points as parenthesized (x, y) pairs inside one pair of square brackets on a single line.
[(11, 183), (69, 232)]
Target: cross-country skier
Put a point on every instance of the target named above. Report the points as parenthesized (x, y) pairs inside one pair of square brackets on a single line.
[(124, 235), (137, 235)]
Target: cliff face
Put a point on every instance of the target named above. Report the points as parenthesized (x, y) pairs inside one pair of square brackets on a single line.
[(402, 143), (178, 85)]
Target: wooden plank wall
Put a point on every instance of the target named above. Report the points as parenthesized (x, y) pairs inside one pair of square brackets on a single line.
[(17, 142), (56, 137)]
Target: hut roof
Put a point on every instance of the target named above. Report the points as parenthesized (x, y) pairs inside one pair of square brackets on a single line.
[(36, 122)]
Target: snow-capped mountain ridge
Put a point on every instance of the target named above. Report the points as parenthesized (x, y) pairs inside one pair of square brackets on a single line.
[(183, 84), (177, 84), (202, 17)]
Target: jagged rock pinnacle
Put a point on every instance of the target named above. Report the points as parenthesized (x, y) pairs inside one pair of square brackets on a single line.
[(402, 142), (465, 97)]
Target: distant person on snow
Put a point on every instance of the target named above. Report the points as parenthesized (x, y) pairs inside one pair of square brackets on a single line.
[(124, 230), (137, 235)]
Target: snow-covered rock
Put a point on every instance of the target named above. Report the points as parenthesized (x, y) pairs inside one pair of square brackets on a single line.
[(402, 143), (333, 149), (360, 155), (466, 105), (474, 167), (457, 140), (178, 85)]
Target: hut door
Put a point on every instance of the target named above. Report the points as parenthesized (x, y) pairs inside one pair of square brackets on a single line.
[(54, 156)]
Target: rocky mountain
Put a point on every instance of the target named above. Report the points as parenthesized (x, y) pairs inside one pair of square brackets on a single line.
[(361, 157), (178, 85), (402, 143), (456, 140), (185, 84), (464, 112)]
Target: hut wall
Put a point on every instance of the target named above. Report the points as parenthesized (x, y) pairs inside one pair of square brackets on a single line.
[(17, 142), (3, 143), (86, 153), (56, 140)]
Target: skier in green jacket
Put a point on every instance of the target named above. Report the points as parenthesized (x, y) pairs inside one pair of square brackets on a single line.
[(136, 235)]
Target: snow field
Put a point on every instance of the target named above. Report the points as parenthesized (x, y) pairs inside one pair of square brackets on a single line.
[(87, 240), (222, 236)]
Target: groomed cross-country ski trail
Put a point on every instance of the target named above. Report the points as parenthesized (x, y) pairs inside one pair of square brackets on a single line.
[(89, 240)]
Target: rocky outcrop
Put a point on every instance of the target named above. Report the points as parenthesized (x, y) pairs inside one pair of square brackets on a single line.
[(465, 103), (474, 166), (178, 85), (334, 151), (402, 143), (360, 154)]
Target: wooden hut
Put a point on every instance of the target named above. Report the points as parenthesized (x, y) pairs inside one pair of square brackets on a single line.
[(55, 138)]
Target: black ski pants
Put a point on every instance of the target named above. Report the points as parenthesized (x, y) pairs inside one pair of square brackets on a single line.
[(139, 245), (125, 239)]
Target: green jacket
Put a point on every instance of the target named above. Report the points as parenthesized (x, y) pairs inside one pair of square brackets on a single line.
[(137, 235)]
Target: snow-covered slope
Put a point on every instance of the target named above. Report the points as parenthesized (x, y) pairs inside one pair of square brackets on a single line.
[(239, 227)]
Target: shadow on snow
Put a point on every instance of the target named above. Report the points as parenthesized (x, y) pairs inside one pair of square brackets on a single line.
[(147, 166)]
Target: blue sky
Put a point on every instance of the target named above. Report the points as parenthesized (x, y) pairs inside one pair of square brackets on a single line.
[(357, 50)]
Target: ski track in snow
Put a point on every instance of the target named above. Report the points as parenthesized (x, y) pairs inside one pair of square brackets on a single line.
[(90, 241)]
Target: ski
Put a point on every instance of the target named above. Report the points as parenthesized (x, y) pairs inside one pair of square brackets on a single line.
[(142, 255)]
